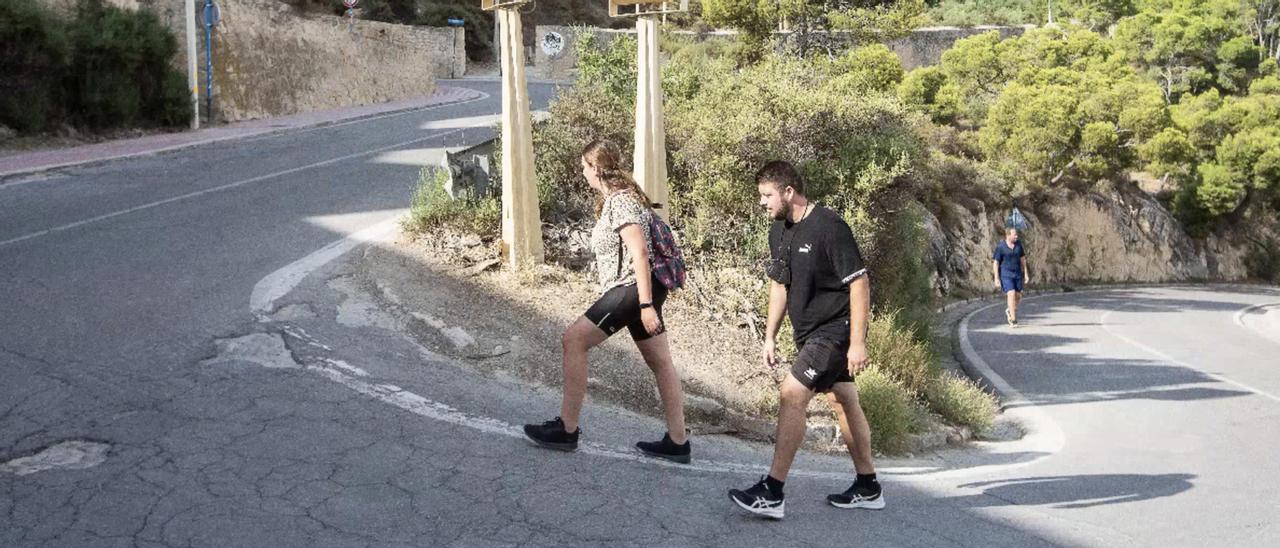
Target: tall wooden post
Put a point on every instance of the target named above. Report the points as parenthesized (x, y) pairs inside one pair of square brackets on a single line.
[(651, 142), (651, 127), (521, 223)]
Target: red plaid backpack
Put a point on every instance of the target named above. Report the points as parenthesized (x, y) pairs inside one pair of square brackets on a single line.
[(667, 261)]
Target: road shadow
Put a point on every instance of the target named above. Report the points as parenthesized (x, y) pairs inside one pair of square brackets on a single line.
[(1062, 369), (1079, 491)]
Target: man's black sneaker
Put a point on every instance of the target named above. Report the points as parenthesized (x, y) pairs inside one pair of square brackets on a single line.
[(859, 496), (551, 435), (666, 449), (760, 501)]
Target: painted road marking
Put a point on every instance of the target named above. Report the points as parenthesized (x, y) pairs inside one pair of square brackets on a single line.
[(1043, 435), (1272, 317), (266, 134), (1103, 321), (228, 186)]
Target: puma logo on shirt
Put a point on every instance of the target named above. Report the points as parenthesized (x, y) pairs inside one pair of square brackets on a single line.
[(805, 248)]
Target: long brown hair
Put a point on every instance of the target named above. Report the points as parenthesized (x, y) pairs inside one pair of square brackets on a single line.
[(603, 155)]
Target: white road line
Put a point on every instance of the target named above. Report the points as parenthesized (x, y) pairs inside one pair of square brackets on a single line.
[(1043, 435), (282, 281), (1103, 321), (482, 96), (242, 138), (1272, 317), (228, 186)]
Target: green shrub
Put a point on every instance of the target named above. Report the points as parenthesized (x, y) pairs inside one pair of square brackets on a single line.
[(898, 354), (971, 13), (106, 67), (960, 401), (433, 209), (33, 59), (900, 281), (122, 68), (873, 68), (848, 147), (890, 410), (926, 90)]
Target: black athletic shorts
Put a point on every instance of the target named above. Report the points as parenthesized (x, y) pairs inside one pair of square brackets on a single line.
[(822, 363), (620, 307)]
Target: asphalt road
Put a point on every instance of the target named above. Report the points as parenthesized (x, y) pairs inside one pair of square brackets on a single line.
[(1168, 400), (127, 329)]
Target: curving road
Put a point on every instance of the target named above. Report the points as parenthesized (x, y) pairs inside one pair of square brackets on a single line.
[(1167, 400), (126, 328)]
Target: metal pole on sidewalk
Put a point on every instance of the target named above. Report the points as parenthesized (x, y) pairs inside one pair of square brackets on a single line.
[(193, 79), (210, 13)]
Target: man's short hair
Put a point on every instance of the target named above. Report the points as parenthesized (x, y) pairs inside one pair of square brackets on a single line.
[(782, 174)]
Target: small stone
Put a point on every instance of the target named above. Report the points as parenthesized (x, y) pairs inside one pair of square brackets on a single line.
[(703, 410)]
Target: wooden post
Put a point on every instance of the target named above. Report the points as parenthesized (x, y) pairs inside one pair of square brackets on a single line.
[(521, 223), (650, 137)]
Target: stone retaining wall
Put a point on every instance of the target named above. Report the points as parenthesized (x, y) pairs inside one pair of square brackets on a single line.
[(555, 57)]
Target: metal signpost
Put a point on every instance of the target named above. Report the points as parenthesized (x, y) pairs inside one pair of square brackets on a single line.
[(521, 223), (212, 14)]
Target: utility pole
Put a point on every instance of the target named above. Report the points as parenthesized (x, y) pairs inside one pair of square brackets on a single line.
[(193, 78)]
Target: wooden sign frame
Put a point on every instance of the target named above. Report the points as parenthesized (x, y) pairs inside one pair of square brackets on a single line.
[(635, 8), (490, 5)]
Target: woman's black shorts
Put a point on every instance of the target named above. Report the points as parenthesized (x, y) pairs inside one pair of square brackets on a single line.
[(620, 307)]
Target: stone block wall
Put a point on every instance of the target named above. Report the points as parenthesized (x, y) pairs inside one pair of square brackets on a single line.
[(555, 57), (270, 60), (924, 47)]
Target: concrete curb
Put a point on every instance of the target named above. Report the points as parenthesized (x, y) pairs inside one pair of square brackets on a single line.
[(464, 95)]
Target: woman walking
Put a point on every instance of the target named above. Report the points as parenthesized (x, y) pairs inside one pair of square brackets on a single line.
[(631, 298)]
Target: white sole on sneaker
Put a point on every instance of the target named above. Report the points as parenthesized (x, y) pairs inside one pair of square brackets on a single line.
[(771, 513), (877, 504)]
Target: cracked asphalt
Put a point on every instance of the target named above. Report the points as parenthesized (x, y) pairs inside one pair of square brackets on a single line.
[(322, 424)]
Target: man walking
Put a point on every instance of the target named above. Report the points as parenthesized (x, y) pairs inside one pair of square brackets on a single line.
[(819, 280), (1009, 266)]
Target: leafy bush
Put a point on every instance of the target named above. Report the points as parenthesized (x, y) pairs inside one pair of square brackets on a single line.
[(121, 69), (971, 13), (33, 57), (901, 286), (960, 401), (432, 209), (873, 68), (926, 90), (848, 147), (898, 354), (890, 410), (105, 67)]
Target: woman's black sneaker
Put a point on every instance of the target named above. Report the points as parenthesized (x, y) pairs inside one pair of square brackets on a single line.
[(759, 500), (551, 435), (859, 496), (666, 449)]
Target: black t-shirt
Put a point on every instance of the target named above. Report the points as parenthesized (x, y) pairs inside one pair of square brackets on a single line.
[(824, 260)]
